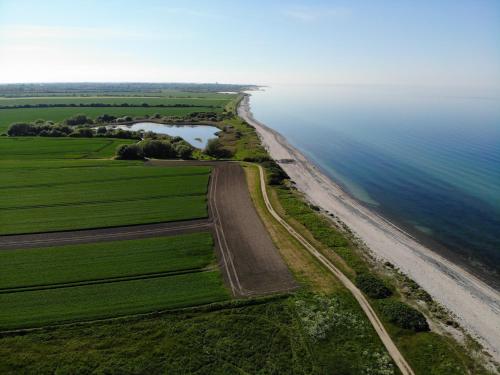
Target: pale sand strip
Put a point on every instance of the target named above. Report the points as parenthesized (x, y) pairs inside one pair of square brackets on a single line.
[(475, 304)]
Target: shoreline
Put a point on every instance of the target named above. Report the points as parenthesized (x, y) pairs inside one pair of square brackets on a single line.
[(475, 304)]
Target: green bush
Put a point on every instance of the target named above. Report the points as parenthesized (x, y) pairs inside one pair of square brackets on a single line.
[(129, 152), (372, 286), (276, 173), (157, 149), (215, 149), (403, 315)]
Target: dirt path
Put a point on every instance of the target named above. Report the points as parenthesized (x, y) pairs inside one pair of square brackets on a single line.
[(365, 305)]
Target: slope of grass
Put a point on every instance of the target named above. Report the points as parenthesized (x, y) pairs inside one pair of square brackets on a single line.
[(15, 148), (95, 261), (42, 307), (9, 116)]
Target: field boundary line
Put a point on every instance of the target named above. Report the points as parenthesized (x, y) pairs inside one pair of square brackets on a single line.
[(392, 349)]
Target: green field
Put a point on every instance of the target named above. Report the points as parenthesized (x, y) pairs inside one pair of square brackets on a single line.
[(44, 267), (213, 100), (95, 301), (15, 148), (51, 199), (98, 280), (9, 116)]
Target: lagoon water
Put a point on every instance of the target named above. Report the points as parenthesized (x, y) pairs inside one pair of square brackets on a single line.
[(196, 135), (427, 159)]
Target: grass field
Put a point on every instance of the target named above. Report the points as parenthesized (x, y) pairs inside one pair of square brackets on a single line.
[(43, 267), (98, 280), (51, 199), (15, 148), (247, 337), (117, 100), (9, 116), (95, 301)]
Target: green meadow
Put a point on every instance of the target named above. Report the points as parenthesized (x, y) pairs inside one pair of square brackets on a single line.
[(97, 301), (59, 114), (53, 199), (16, 148), (52, 266), (208, 101)]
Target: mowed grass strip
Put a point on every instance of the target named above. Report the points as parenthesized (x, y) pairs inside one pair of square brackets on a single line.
[(89, 302), (58, 114), (15, 148), (22, 268), (100, 215)]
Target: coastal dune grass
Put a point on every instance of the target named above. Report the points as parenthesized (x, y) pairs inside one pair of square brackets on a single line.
[(21, 268), (52, 199)]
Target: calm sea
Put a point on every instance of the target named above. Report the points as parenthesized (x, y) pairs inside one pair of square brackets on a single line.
[(427, 159)]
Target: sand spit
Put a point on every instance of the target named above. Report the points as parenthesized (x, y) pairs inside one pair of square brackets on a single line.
[(475, 304)]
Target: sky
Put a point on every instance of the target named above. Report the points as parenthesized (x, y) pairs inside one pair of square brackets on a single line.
[(399, 42)]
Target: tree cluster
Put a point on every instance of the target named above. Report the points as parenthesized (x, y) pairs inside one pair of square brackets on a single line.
[(165, 148)]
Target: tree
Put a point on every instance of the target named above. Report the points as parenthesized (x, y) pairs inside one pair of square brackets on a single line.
[(183, 151), (78, 120), (21, 129), (158, 149), (215, 149), (129, 152), (82, 132), (101, 130)]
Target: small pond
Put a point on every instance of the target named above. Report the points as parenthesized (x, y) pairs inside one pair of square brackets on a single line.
[(196, 135)]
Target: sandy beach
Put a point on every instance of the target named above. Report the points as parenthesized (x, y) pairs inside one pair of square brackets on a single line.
[(475, 304)]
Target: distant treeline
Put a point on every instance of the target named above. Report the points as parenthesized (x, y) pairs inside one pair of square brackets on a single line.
[(105, 105)]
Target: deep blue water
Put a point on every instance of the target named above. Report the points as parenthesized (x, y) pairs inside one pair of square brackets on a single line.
[(427, 159)]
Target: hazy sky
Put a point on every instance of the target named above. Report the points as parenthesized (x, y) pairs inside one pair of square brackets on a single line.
[(434, 42)]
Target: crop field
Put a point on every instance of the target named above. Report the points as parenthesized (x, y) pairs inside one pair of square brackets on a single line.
[(58, 114), (213, 100), (52, 199), (45, 267), (15, 148), (91, 281)]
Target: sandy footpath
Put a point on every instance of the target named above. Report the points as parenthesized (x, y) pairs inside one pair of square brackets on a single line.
[(475, 304)]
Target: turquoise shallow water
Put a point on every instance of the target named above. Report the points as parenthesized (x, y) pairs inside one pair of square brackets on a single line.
[(427, 159)]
